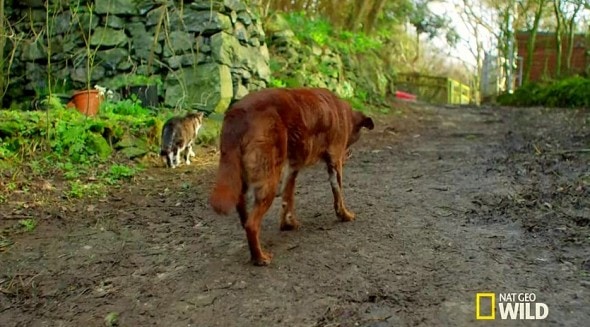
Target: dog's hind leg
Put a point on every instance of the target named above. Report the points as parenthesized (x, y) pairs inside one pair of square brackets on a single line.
[(285, 172), (242, 206), (288, 220), (335, 172), (264, 156), (264, 195)]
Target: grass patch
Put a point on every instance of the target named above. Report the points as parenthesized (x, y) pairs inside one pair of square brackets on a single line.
[(28, 225), (85, 154), (78, 189)]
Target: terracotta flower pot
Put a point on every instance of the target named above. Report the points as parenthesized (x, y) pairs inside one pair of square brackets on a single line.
[(86, 102)]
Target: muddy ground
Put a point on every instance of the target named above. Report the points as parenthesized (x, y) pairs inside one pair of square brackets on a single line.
[(449, 202)]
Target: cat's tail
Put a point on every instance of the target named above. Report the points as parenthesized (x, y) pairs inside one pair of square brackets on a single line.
[(165, 150), (229, 182), (166, 143), (167, 140)]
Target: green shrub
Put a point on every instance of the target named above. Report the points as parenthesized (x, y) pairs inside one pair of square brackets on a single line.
[(315, 30), (319, 31), (356, 43), (209, 133), (572, 92), (275, 82), (319, 55)]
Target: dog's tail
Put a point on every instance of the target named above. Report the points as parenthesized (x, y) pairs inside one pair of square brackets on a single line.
[(229, 182)]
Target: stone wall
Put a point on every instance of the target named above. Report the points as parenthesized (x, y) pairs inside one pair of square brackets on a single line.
[(205, 53)]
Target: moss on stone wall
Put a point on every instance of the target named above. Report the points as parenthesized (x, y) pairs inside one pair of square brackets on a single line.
[(306, 52)]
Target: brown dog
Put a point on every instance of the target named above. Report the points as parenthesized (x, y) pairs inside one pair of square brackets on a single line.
[(280, 131)]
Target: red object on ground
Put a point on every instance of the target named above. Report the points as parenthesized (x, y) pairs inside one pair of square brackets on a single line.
[(405, 95)]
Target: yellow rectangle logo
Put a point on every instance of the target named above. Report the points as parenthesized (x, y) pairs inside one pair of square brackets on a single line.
[(478, 297)]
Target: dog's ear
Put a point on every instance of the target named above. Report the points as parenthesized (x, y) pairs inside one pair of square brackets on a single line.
[(360, 120), (367, 123)]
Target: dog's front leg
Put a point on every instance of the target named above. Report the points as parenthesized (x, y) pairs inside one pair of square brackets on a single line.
[(335, 171)]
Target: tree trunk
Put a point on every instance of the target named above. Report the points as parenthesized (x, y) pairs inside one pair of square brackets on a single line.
[(372, 16), (571, 37), (558, 40), (505, 38), (530, 47), (417, 51), (335, 9), (3, 66), (283, 5), (297, 5), (358, 14)]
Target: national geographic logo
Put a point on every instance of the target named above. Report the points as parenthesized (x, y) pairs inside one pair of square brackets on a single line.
[(515, 306)]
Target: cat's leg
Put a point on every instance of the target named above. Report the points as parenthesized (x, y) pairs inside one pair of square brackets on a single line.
[(178, 151), (190, 149), (171, 159), (189, 153)]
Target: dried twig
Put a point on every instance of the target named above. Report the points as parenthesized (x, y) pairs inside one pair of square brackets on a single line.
[(571, 151), (15, 217)]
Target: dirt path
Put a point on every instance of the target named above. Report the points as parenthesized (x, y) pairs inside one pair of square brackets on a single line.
[(449, 202)]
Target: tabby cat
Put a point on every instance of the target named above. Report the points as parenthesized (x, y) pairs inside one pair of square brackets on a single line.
[(178, 135)]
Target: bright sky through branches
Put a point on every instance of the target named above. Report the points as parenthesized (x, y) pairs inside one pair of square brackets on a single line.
[(467, 44)]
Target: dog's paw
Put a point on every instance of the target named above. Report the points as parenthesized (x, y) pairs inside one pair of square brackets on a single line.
[(290, 225), (279, 191), (346, 216), (264, 259)]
